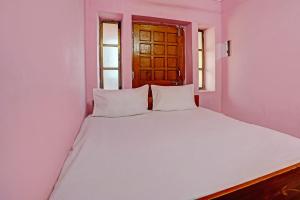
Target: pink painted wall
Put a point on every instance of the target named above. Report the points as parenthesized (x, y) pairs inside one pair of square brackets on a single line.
[(261, 78), (205, 14), (42, 99)]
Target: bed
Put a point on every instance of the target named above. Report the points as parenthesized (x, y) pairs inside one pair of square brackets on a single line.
[(179, 155)]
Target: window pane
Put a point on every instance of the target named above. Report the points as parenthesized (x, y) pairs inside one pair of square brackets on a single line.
[(110, 33), (200, 60), (110, 57), (200, 78), (110, 79), (200, 45)]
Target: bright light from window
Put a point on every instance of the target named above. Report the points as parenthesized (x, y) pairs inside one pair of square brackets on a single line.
[(109, 55)]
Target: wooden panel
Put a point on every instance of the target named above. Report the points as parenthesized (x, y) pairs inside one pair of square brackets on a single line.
[(172, 62), (158, 49), (172, 50), (172, 37), (172, 75), (159, 75), (164, 46), (145, 48), (197, 101), (145, 62), (145, 36), (146, 75), (158, 36), (159, 62)]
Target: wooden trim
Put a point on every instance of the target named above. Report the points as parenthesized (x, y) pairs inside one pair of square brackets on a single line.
[(120, 55), (183, 67), (110, 45), (197, 101), (153, 23), (203, 61), (109, 68), (251, 183), (101, 55)]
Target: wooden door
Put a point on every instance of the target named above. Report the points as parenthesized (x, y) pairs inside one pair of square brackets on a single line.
[(158, 55)]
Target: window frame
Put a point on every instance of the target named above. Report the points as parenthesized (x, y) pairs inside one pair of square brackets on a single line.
[(202, 68), (101, 45)]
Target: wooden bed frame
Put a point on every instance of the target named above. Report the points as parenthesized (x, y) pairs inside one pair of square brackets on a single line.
[(283, 184)]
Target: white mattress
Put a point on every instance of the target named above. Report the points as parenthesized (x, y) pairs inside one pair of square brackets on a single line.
[(180, 155)]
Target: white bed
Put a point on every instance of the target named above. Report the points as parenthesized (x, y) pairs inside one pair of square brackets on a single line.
[(180, 155)]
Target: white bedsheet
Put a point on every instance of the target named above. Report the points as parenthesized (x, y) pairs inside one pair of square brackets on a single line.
[(180, 155)]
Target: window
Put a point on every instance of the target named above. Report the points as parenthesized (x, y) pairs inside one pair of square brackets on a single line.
[(201, 66), (110, 48)]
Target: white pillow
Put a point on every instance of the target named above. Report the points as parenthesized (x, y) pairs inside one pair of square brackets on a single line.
[(167, 98), (118, 103)]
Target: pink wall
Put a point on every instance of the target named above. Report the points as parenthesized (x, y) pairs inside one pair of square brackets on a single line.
[(261, 78), (205, 14), (42, 88), (43, 85)]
